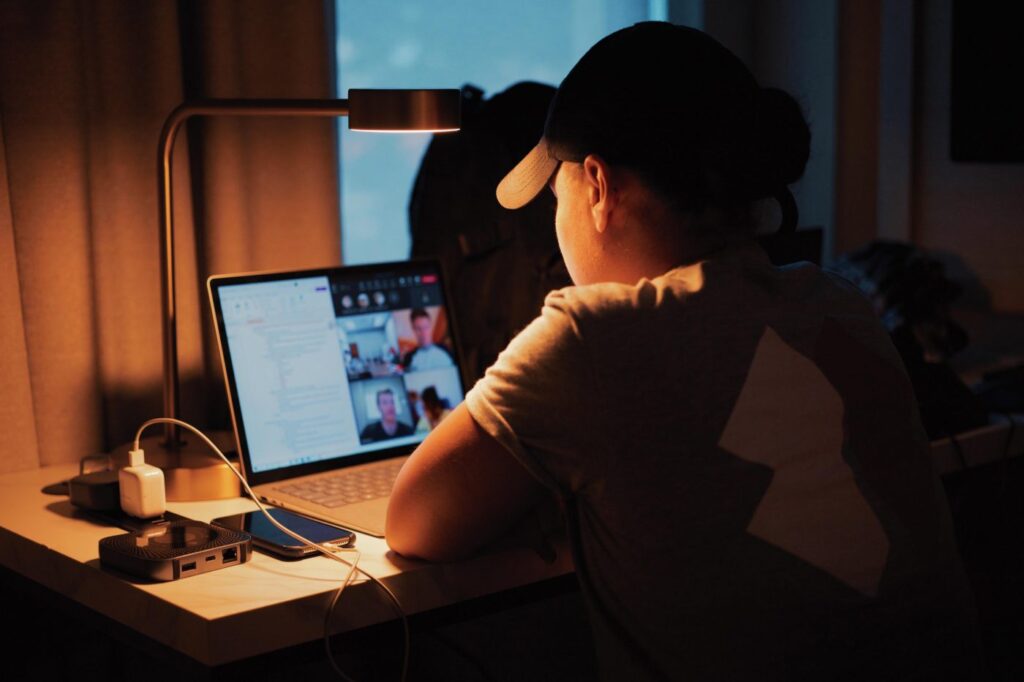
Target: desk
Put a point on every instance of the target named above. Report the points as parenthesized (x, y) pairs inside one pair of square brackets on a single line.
[(1001, 439), (281, 604), (277, 604)]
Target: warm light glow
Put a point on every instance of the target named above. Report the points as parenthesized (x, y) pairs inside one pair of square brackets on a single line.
[(395, 130), (403, 110)]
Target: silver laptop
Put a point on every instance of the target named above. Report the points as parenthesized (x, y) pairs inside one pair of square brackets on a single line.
[(334, 376)]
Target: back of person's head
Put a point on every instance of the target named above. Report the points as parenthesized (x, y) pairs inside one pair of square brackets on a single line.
[(686, 115)]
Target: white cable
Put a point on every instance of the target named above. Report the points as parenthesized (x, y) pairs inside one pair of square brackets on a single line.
[(326, 550)]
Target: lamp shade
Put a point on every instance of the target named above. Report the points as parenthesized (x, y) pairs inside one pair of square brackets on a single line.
[(404, 110)]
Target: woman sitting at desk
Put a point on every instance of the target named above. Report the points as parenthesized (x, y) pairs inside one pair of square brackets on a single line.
[(747, 490)]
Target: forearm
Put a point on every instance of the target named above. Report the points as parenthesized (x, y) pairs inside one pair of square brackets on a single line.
[(458, 491)]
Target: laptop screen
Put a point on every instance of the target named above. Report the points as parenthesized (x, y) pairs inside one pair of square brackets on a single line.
[(336, 363)]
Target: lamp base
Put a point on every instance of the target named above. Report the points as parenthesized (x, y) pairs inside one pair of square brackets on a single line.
[(191, 471)]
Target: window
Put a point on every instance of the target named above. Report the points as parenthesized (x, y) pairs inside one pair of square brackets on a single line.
[(444, 44)]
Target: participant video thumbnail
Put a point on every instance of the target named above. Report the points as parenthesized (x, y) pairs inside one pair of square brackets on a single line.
[(402, 373)]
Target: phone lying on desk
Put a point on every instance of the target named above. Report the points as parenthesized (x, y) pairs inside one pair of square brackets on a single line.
[(268, 537)]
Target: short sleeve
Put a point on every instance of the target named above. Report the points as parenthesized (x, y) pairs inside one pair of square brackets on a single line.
[(539, 400)]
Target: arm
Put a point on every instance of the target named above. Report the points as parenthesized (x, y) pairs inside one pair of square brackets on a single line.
[(464, 487), (458, 490)]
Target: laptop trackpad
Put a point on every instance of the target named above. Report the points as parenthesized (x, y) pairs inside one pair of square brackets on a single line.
[(365, 517)]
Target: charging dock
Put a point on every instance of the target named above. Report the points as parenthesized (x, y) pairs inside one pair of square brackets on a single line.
[(178, 549)]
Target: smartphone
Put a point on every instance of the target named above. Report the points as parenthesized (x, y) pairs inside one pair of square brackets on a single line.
[(266, 536)]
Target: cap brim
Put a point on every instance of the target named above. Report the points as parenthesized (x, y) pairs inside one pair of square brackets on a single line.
[(528, 178)]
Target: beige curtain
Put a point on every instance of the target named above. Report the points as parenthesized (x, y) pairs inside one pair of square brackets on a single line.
[(84, 90)]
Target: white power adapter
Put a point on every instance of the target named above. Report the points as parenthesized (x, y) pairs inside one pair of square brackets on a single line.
[(142, 487)]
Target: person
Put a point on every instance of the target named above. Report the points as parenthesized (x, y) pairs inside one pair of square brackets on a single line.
[(735, 447), (427, 354), (488, 254), (434, 410), (389, 425), (413, 398)]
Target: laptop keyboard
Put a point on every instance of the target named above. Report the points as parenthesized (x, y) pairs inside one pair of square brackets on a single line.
[(346, 487)]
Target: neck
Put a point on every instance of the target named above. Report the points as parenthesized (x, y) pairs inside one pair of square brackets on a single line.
[(657, 239)]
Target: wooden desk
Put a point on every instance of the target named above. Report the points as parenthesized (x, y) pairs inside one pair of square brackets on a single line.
[(276, 604), (279, 604), (999, 440)]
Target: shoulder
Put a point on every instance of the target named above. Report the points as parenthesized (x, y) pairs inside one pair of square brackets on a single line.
[(844, 288), (615, 303), (833, 296), (597, 301)]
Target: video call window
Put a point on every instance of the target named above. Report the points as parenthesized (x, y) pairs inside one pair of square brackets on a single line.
[(369, 345), (424, 340), (382, 409), (399, 358)]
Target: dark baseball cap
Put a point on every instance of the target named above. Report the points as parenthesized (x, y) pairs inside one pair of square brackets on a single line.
[(650, 94)]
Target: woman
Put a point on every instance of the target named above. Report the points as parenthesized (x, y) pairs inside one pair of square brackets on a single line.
[(735, 446)]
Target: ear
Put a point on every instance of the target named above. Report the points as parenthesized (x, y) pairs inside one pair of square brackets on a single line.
[(602, 195)]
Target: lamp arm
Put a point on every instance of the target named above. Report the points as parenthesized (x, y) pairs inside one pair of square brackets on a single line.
[(168, 135)]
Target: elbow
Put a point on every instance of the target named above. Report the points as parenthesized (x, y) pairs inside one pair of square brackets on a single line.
[(403, 522), (400, 540), (408, 535), (403, 537), (411, 549)]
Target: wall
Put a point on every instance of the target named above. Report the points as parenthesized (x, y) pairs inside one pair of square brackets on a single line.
[(796, 49), (793, 45), (857, 122), (975, 210), (873, 77)]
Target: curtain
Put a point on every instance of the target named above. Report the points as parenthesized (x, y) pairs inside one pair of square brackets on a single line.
[(84, 90)]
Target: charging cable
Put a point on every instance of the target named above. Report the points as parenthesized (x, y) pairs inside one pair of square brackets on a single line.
[(329, 551)]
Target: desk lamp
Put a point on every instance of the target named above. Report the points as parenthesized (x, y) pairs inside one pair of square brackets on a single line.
[(190, 472)]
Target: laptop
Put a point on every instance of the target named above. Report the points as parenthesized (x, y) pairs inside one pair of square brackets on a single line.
[(334, 376)]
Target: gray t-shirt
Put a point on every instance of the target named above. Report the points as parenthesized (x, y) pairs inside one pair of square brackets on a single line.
[(745, 479)]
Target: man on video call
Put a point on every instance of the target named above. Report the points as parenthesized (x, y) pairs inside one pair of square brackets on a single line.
[(389, 426), (427, 354)]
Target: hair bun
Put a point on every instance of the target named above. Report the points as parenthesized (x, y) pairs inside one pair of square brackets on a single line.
[(783, 139)]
